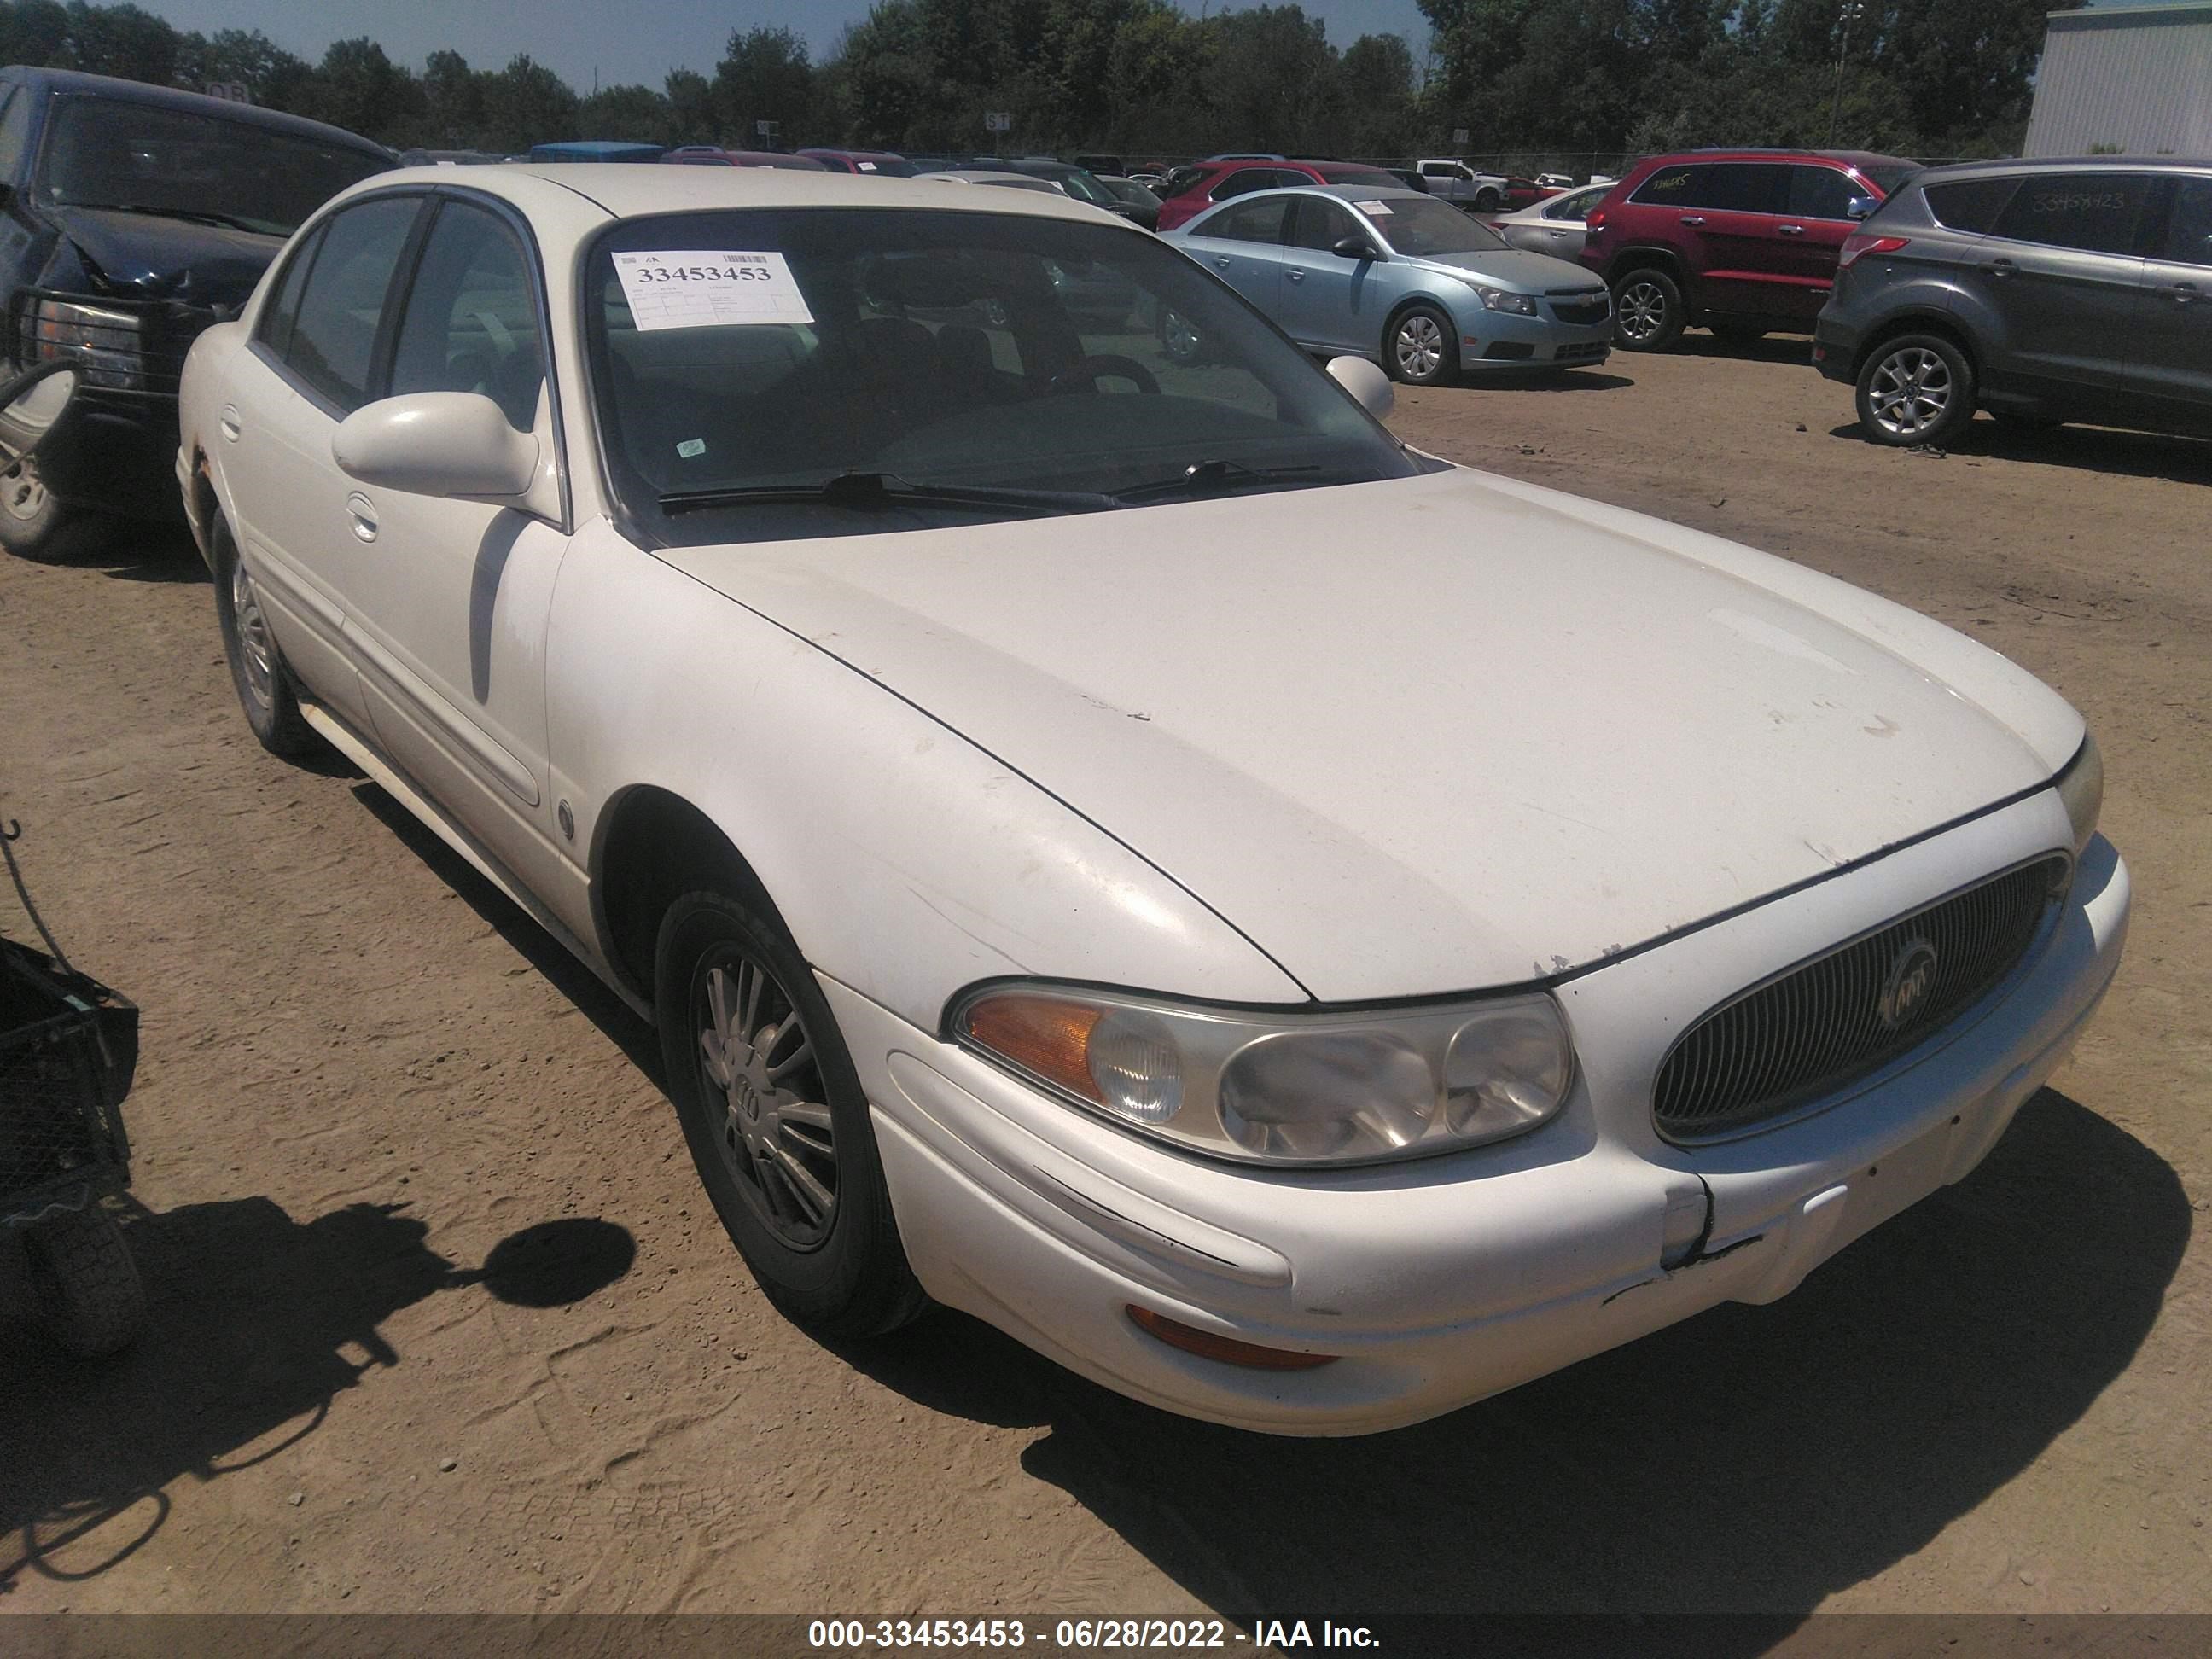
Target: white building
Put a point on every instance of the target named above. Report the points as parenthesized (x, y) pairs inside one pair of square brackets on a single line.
[(2137, 80)]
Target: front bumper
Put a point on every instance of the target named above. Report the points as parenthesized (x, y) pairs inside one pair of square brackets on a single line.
[(1492, 342), (1444, 1281)]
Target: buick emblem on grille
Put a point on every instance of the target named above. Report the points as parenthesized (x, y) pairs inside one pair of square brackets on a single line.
[(1912, 977)]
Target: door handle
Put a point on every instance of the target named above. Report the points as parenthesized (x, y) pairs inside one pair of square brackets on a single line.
[(362, 512), (1296, 275), (229, 422), (1693, 218), (1999, 268), (1790, 230), (2180, 293), (1221, 260)]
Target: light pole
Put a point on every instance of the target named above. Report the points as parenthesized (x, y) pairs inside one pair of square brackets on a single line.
[(1850, 13)]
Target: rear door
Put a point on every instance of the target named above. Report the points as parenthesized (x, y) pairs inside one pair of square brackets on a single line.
[(1735, 217), (1242, 244), (2171, 367), (309, 366), (2062, 273)]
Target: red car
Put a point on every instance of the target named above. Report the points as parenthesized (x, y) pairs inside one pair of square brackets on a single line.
[(1189, 191), (708, 155), (863, 161), (1743, 242)]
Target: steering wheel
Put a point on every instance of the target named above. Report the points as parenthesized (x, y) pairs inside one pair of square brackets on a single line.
[(1089, 371)]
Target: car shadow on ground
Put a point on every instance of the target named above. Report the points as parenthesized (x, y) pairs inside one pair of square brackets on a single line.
[(256, 1323), (1751, 1459), (1551, 379), (1767, 348), (2109, 450), (144, 553)]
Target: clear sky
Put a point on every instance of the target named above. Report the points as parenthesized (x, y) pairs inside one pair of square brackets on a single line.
[(619, 41)]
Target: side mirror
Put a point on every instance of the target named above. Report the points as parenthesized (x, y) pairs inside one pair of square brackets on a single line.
[(1861, 206), (437, 443), (30, 407), (1353, 247), (1369, 384)]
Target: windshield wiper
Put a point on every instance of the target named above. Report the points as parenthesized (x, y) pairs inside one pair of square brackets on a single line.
[(1208, 478), (885, 490), (198, 216)]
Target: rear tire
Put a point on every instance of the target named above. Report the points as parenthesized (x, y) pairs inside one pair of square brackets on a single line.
[(84, 1283), (776, 1120), (1649, 312), (257, 672), (1421, 347), (1915, 390), (1488, 201)]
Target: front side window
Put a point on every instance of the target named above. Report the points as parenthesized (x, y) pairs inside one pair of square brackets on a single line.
[(1821, 193), (1249, 222), (143, 158), (333, 343), (2189, 233), (1073, 365), (15, 132), (470, 322), (1321, 225), (2091, 212)]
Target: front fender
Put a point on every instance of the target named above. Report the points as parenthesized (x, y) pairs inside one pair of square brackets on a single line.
[(907, 862)]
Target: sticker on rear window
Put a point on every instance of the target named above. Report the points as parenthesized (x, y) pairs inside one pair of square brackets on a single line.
[(695, 288), (868, 166), (691, 447)]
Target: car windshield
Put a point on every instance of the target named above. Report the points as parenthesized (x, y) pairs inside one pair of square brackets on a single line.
[(892, 167), (1424, 227), (143, 158), (924, 350), (1081, 185)]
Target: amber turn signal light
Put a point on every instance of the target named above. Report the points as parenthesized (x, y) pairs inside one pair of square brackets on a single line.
[(1209, 1344)]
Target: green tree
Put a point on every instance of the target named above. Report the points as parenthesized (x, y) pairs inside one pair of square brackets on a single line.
[(693, 116), (765, 74), (120, 41), (453, 102), (635, 113), (357, 88), (525, 104)]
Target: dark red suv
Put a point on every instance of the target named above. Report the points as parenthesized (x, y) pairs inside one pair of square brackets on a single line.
[(1743, 242), (1189, 191)]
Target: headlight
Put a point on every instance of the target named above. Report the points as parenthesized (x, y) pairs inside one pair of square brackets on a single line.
[(2081, 787), (1496, 299), (1287, 1088), (107, 343)]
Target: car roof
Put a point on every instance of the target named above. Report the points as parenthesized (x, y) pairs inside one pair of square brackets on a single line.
[(627, 191), (1029, 181), (2062, 164), (1856, 158), (141, 92)]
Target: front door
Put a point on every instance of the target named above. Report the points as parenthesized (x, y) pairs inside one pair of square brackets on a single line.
[(2172, 368), (447, 611), (1809, 237), (1329, 301)]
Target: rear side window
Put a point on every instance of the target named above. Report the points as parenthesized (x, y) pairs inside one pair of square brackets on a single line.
[(1675, 186), (2094, 212), (333, 340), (1244, 180), (1249, 222), (1722, 186), (274, 328), (1182, 179), (1970, 204), (15, 133), (1821, 193)]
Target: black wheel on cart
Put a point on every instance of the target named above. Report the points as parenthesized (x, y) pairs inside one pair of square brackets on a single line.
[(85, 1284)]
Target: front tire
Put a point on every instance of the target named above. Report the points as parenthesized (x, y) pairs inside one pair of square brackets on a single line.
[(776, 1120), (1649, 313), (257, 672), (1422, 347), (84, 1283), (35, 524), (1917, 389)]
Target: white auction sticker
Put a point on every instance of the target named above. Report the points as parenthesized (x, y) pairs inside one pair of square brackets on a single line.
[(1376, 209), (694, 287)]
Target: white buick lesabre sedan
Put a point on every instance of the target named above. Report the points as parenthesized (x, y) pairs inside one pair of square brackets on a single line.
[(1302, 934)]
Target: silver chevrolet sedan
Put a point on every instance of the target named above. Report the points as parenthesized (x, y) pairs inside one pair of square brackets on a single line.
[(1403, 278)]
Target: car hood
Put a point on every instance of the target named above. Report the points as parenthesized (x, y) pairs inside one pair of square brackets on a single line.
[(1512, 267), (142, 256), (1429, 734)]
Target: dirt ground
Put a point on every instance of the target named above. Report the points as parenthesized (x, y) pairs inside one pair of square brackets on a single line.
[(383, 1375)]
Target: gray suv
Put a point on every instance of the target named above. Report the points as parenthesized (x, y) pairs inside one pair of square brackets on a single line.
[(2041, 291)]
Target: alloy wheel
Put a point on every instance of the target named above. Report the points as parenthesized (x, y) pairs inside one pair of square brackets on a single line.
[(257, 652), (1418, 346), (1909, 391), (776, 1134), (1642, 310)]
